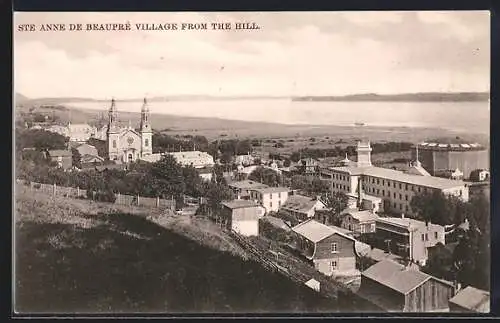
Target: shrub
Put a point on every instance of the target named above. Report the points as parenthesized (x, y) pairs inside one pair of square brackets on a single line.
[(37, 186)]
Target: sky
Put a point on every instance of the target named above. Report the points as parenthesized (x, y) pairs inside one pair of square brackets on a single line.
[(293, 53)]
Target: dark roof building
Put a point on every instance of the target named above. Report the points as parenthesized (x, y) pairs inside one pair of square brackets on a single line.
[(397, 288), (471, 300)]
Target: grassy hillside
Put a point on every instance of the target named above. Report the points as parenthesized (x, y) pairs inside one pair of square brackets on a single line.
[(69, 260)]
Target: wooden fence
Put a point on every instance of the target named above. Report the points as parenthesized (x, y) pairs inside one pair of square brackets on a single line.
[(122, 199)]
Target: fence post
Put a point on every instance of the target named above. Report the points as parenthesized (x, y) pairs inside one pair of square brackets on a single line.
[(137, 199), (78, 192), (31, 186), (118, 199), (54, 192), (157, 201)]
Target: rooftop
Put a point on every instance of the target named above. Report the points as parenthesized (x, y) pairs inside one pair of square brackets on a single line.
[(238, 204), (459, 145), (247, 184), (406, 222), (191, 154), (395, 175), (314, 231), (272, 189), (396, 276), (472, 299), (299, 203), (362, 216), (60, 152)]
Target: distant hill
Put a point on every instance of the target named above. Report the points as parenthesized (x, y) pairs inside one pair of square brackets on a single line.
[(20, 99), (406, 97), (59, 100)]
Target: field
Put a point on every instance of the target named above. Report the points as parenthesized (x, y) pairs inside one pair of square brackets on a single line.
[(81, 256)]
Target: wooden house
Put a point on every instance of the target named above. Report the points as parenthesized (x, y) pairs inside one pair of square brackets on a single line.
[(242, 216), (398, 288), (360, 222), (332, 252), (63, 158), (470, 300), (302, 207)]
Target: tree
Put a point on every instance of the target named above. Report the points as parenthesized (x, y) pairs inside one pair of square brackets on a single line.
[(440, 263), (168, 177), (218, 175), (39, 139), (76, 157), (226, 158), (266, 176), (336, 203), (217, 193), (433, 207), (299, 182)]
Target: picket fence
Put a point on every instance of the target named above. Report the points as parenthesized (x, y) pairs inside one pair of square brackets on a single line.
[(122, 199)]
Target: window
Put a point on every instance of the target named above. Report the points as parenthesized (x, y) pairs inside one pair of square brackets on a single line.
[(419, 189), (400, 196), (114, 143), (279, 195), (406, 197), (423, 237), (378, 181), (426, 237), (378, 191), (279, 203), (407, 208), (270, 204), (334, 247), (406, 187), (334, 265), (400, 186), (395, 205), (388, 184), (383, 182), (373, 180), (435, 235), (394, 184), (383, 192), (146, 142), (394, 195), (400, 206)]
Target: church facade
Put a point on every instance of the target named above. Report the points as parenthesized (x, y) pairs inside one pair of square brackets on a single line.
[(127, 145)]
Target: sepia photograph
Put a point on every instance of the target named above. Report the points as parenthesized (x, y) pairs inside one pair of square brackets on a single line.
[(251, 162)]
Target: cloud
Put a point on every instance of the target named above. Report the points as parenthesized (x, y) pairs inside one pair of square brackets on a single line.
[(292, 53)]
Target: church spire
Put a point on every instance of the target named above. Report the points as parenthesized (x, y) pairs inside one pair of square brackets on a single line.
[(112, 116), (145, 123)]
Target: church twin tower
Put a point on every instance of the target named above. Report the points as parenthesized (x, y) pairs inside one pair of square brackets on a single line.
[(126, 144)]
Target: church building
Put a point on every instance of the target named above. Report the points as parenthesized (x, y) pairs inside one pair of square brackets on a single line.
[(127, 145)]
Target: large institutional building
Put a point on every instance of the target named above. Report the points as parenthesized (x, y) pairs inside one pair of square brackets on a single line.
[(443, 158), (126, 144), (386, 190)]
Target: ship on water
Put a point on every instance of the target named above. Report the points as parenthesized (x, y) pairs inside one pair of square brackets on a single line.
[(360, 124)]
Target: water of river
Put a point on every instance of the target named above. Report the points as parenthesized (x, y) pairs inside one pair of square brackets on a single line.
[(459, 116)]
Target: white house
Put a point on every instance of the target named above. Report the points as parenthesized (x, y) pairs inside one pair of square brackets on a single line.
[(271, 198), (242, 216)]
